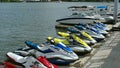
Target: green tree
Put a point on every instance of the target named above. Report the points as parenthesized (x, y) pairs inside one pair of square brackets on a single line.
[(9, 0)]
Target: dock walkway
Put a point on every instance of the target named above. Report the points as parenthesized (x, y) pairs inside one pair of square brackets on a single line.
[(108, 55)]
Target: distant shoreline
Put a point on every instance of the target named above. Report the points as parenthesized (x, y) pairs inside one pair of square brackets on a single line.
[(56, 1)]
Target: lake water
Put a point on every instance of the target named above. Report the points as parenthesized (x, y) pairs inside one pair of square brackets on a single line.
[(31, 21)]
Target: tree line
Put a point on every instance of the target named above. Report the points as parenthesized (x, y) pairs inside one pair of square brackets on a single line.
[(88, 0), (63, 0), (10, 1)]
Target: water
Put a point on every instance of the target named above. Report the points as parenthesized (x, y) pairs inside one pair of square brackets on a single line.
[(30, 21)]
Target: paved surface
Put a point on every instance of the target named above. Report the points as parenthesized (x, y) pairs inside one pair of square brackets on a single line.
[(108, 56)]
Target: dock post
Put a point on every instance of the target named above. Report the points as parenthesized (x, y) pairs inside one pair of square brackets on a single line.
[(115, 10), (116, 26)]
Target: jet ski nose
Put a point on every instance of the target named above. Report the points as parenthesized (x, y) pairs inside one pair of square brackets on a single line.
[(88, 49), (105, 32), (93, 41), (87, 41), (103, 37), (99, 36), (16, 57), (75, 57)]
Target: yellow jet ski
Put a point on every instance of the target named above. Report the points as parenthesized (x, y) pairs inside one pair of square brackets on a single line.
[(74, 45), (82, 34)]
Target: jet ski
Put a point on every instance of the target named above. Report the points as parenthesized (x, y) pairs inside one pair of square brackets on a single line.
[(96, 28), (102, 26), (95, 34), (29, 61), (43, 60), (99, 28), (7, 64), (57, 54), (77, 48), (82, 34), (75, 40)]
